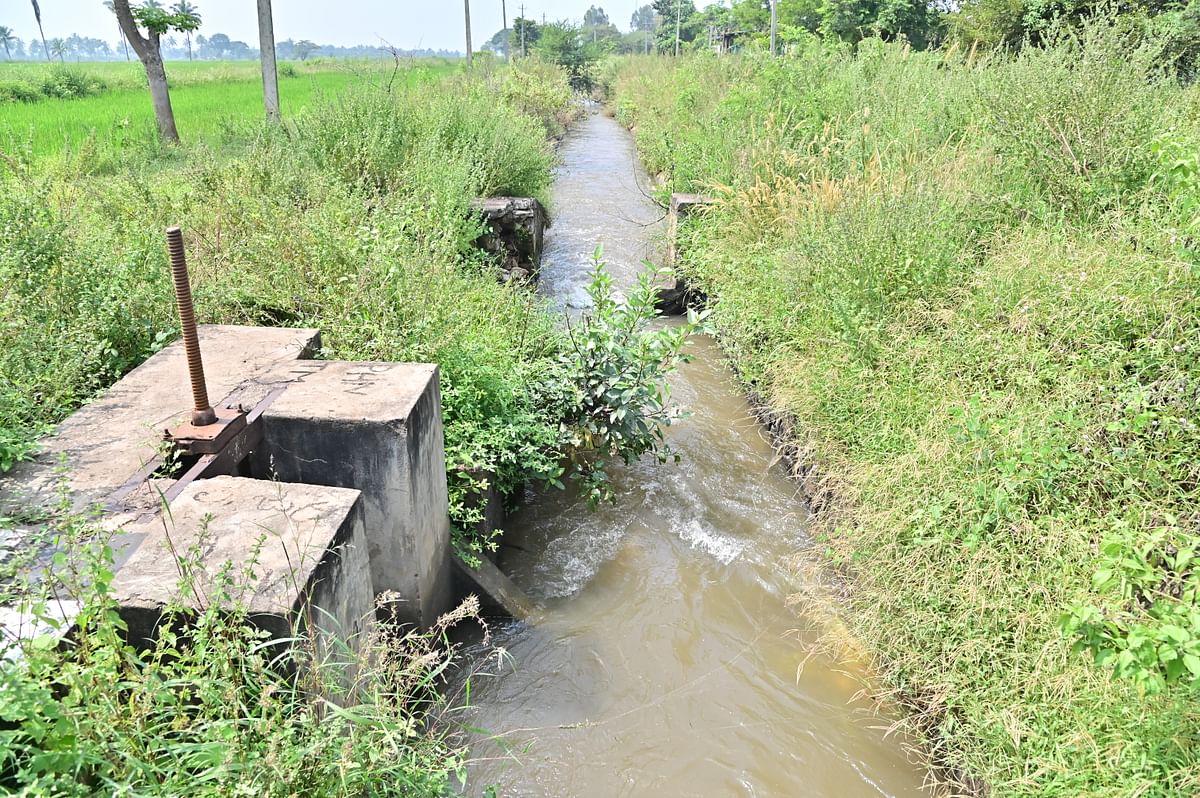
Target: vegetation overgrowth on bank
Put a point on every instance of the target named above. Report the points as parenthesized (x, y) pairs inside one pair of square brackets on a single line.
[(354, 219), (218, 709), (973, 282)]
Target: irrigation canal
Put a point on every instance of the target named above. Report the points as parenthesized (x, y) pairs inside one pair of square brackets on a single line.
[(667, 661)]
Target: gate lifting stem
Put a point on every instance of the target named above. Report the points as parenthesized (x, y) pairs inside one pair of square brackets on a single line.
[(209, 430), (221, 438)]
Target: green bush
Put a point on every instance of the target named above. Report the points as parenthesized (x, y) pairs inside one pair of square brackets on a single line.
[(18, 91), (58, 82), (620, 366), (540, 89)]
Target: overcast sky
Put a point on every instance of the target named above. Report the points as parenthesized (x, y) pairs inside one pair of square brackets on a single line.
[(406, 24)]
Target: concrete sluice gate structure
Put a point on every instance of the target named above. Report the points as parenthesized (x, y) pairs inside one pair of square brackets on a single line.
[(335, 494)]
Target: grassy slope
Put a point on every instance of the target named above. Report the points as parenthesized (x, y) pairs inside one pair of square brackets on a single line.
[(965, 286)]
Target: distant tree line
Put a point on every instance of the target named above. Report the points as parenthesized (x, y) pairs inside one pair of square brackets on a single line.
[(658, 26), (217, 47)]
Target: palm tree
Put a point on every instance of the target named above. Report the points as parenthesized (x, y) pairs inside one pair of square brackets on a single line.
[(37, 14), (6, 40), (58, 48), (153, 4), (184, 7)]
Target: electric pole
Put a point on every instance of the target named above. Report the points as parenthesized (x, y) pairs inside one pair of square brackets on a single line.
[(524, 25), (504, 17), (678, 16), (467, 15), (266, 50), (774, 24)]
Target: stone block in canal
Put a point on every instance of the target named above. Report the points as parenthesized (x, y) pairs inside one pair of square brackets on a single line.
[(306, 543), (515, 234), (376, 427)]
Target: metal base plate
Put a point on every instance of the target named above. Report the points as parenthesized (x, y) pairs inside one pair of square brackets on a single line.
[(210, 438)]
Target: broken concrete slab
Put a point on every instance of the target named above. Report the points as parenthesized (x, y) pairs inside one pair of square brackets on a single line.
[(297, 556), (376, 427), (516, 232)]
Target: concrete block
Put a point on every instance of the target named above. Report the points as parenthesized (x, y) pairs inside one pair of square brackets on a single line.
[(674, 294), (107, 441), (376, 427), (305, 545), (516, 233), (682, 206)]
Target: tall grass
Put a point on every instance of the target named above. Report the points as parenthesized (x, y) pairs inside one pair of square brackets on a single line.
[(972, 285)]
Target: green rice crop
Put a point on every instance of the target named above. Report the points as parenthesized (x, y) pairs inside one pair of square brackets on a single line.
[(213, 102)]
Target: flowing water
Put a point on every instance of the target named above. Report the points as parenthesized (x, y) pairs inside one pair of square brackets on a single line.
[(666, 661)]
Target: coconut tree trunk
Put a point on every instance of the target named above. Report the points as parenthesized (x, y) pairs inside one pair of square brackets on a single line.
[(150, 54)]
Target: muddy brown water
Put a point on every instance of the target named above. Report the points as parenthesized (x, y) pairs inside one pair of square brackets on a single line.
[(667, 662)]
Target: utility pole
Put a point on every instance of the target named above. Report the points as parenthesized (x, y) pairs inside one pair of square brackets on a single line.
[(678, 17), (524, 25), (774, 23), (467, 15), (504, 17), (266, 47)]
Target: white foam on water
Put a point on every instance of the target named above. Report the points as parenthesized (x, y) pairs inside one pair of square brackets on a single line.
[(722, 548), (571, 560)]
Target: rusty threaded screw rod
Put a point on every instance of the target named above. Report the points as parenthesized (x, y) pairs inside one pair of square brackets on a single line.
[(202, 412)]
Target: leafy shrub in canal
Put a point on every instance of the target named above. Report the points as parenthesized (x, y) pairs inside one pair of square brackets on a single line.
[(972, 282), (620, 365)]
